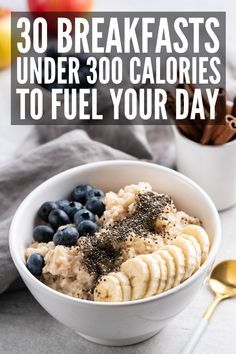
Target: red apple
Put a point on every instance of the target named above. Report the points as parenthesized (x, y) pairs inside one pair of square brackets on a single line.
[(49, 8), (60, 5)]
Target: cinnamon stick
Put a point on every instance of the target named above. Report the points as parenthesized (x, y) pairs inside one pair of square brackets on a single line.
[(197, 122), (188, 130), (233, 112), (221, 107), (212, 130), (190, 88), (218, 132), (207, 133), (230, 119), (204, 98), (228, 131)]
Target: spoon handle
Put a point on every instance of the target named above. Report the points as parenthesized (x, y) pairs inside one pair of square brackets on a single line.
[(197, 332), (195, 336)]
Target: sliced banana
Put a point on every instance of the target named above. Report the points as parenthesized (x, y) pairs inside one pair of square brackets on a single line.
[(179, 260), (125, 285), (189, 254), (200, 234), (163, 271), (138, 273), (171, 271), (197, 247), (108, 289), (154, 270)]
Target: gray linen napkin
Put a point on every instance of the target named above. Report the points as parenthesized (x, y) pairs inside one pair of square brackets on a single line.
[(50, 150)]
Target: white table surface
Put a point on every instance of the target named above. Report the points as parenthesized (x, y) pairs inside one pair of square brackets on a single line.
[(26, 328)]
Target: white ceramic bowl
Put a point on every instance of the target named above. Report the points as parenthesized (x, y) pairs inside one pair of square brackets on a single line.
[(127, 322)]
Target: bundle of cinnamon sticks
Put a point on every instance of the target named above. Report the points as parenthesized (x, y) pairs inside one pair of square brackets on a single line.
[(217, 132)]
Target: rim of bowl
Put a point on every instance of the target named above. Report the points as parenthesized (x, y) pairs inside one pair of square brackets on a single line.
[(19, 263)]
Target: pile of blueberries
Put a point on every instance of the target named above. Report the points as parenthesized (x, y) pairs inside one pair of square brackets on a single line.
[(84, 71), (65, 221)]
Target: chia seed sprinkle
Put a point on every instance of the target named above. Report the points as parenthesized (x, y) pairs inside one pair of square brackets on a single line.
[(102, 253)]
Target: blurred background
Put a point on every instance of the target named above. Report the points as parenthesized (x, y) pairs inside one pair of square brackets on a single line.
[(12, 136)]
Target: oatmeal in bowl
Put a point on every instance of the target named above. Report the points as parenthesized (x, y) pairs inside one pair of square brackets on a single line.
[(117, 246), (134, 239)]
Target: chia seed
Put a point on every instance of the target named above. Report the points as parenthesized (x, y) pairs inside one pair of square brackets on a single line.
[(102, 253)]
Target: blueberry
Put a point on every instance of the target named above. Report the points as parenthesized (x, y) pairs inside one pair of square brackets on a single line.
[(66, 237), (79, 193), (43, 233), (35, 264), (96, 206), (62, 204), (95, 192), (72, 209), (58, 218), (45, 210), (82, 215), (87, 228)]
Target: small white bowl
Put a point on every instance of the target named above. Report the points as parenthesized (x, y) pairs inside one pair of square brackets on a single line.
[(116, 323)]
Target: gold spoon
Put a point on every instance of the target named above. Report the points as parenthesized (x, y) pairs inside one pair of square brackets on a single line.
[(222, 282)]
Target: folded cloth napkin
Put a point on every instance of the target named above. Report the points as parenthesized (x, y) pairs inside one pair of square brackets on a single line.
[(52, 149)]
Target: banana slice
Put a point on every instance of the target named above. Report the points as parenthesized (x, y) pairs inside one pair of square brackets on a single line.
[(201, 236), (138, 273), (189, 254), (108, 289), (171, 271), (179, 260), (125, 285), (197, 247), (163, 271), (154, 270)]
